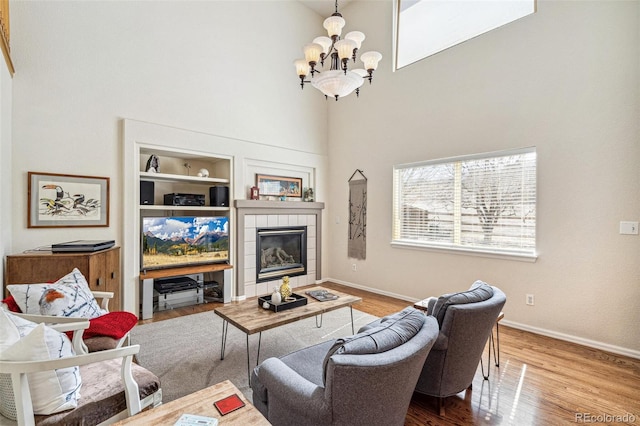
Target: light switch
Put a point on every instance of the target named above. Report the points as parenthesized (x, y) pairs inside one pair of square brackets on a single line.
[(629, 228)]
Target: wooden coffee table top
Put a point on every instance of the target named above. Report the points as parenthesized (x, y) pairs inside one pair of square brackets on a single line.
[(200, 403), (251, 318)]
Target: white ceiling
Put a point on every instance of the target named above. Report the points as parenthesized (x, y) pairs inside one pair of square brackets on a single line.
[(324, 8)]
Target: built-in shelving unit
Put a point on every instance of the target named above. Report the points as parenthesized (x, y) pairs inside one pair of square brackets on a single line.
[(180, 178), (177, 173)]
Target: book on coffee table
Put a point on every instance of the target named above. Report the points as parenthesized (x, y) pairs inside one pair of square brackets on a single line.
[(322, 295), (229, 404), (195, 420)]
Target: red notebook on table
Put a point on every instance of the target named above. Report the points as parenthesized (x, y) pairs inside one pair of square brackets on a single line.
[(229, 404)]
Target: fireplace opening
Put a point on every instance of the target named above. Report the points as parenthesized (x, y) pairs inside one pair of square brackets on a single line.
[(280, 252)]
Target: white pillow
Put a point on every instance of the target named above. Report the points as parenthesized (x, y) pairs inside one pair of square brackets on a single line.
[(70, 296), (51, 391)]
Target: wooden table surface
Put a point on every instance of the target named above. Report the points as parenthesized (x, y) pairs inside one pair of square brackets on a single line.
[(200, 403), (251, 318)]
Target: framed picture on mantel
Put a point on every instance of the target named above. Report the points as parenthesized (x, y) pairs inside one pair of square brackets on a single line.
[(60, 200), (279, 186)]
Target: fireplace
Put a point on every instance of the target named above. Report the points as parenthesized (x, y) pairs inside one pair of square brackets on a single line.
[(280, 251)]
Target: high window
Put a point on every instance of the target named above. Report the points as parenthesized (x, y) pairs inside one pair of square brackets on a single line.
[(483, 203), (425, 27)]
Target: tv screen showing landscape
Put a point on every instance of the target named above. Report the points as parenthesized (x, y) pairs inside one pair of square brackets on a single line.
[(180, 241)]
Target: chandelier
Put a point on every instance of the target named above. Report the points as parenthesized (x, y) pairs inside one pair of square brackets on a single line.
[(339, 80)]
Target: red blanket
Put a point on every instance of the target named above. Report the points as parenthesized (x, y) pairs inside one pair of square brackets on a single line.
[(111, 324)]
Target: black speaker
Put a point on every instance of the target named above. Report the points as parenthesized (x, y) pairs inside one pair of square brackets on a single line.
[(146, 192), (219, 196)]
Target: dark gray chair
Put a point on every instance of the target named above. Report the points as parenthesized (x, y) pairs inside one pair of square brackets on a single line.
[(466, 320), (365, 379)]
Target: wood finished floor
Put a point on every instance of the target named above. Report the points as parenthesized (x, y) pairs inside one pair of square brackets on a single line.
[(540, 381)]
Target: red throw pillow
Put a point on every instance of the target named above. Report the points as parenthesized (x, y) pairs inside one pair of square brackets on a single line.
[(11, 304), (112, 324)]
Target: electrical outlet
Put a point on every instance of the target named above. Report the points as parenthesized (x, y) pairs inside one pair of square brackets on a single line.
[(529, 300), (629, 228), (354, 267)]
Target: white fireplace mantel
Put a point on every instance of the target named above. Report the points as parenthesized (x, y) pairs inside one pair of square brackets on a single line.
[(249, 213), (289, 205)]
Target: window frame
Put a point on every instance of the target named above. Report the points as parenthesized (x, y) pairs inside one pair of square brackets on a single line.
[(450, 247)]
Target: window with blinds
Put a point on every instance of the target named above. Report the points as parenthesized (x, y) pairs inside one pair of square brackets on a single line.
[(482, 203)]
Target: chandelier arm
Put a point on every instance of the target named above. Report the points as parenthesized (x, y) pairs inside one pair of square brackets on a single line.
[(332, 50)]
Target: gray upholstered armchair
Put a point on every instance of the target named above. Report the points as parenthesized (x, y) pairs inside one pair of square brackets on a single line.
[(365, 379), (466, 320)]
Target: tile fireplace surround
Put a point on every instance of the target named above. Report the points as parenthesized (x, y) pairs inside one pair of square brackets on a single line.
[(252, 214)]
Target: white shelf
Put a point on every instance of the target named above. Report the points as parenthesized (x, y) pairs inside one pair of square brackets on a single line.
[(183, 208), (180, 178)]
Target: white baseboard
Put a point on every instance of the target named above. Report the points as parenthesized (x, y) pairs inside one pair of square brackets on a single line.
[(574, 339), (536, 330), (372, 290)]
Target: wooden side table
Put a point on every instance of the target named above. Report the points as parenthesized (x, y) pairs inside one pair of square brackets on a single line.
[(200, 403)]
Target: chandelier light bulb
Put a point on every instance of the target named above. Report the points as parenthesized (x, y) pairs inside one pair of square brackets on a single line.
[(325, 42), (345, 48), (370, 60), (312, 53), (302, 67), (355, 36), (334, 25)]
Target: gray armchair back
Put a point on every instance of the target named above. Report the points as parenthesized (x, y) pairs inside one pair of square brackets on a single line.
[(464, 331), (315, 386)]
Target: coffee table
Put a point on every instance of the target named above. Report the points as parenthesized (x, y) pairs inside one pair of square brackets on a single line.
[(200, 403), (248, 317)]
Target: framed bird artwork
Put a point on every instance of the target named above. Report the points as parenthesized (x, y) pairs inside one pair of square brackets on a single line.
[(61, 200)]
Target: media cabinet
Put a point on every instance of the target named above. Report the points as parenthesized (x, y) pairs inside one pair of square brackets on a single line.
[(220, 271), (100, 268)]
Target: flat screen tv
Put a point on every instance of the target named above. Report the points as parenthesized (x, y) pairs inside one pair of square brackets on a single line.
[(169, 242)]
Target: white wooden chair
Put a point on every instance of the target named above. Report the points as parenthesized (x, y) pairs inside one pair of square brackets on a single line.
[(101, 395), (103, 298)]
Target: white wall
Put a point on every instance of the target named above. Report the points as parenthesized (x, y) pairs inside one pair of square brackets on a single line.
[(6, 209), (221, 68), (566, 80)]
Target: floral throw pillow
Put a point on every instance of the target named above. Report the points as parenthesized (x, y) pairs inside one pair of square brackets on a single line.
[(70, 296)]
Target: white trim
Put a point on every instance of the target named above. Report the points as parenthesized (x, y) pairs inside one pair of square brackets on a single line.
[(619, 350), (465, 251), (479, 156), (372, 290)]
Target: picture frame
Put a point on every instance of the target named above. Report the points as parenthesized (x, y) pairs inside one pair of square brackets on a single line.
[(279, 186), (64, 201)]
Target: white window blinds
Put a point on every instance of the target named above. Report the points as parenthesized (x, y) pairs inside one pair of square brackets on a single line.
[(484, 203)]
